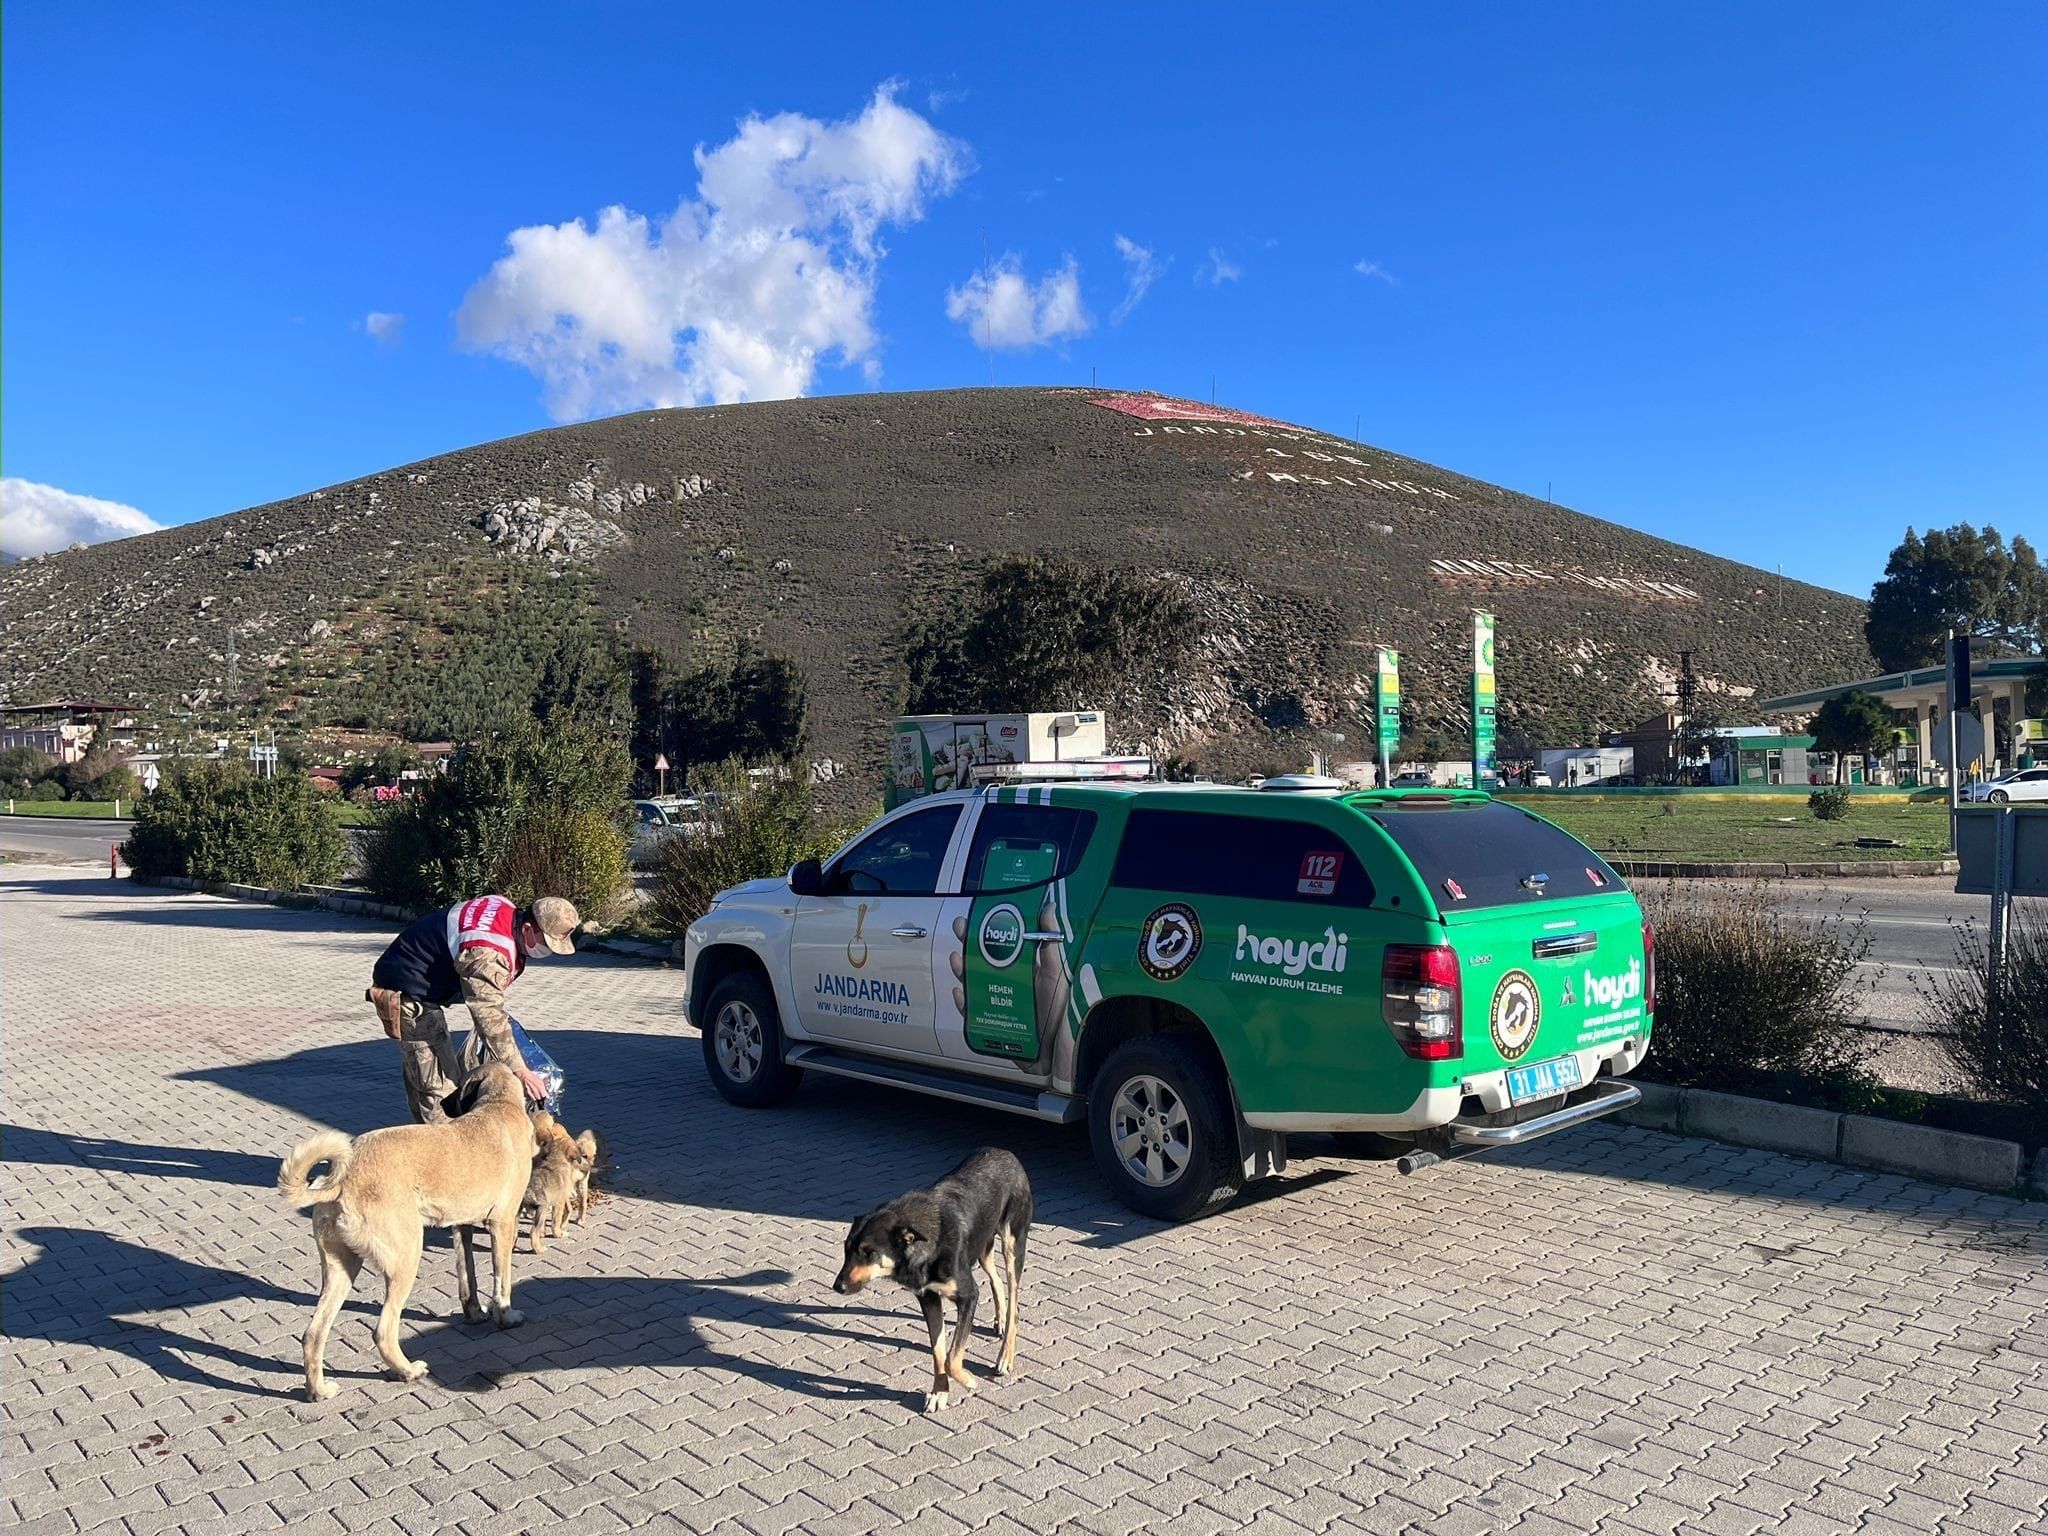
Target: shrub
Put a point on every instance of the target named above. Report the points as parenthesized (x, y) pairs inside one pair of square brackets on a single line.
[(539, 809), (752, 829), (22, 766), (1829, 804), (1746, 989), (2003, 1049), (101, 774), (214, 821), (43, 789), (575, 853)]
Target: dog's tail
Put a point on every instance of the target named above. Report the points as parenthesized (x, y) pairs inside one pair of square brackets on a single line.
[(330, 1147)]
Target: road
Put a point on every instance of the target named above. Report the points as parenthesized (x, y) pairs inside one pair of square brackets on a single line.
[(82, 840), (1613, 1329), (70, 839), (1911, 921)]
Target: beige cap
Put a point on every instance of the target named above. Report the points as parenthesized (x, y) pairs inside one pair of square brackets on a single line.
[(557, 920)]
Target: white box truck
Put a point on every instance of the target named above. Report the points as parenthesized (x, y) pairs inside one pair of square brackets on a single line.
[(930, 753)]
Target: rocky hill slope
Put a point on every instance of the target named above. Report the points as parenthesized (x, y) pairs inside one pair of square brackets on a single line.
[(818, 526)]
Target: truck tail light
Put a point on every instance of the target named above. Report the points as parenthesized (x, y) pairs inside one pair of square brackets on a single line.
[(1422, 1001), (1649, 967)]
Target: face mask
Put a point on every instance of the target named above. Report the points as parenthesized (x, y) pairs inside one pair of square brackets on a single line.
[(535, 948)]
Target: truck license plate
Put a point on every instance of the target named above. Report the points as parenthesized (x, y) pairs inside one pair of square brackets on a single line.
[(1542, 1080)]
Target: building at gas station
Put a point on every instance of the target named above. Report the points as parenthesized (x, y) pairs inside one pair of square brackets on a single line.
[(1986, 733)]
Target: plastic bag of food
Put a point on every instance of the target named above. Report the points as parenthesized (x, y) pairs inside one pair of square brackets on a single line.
[(538, 1062)]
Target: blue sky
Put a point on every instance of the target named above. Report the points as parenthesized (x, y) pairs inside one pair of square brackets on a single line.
[(1765, 280)]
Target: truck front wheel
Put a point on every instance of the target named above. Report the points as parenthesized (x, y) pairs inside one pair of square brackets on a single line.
[(1159, 1118), (743, 1043)]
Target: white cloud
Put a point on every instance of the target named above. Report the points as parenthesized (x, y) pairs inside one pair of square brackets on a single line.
[(37, 518), (1218, 269), (741, 291), (1141, 270), (1003, 308), (1366, 268), (383, 327)]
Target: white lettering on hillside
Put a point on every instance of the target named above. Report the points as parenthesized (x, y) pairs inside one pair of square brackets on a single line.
[(1327, 455), (1512, 572)]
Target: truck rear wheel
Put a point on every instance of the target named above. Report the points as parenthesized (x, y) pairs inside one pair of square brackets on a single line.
[(743, 1043), (1160, 1122)]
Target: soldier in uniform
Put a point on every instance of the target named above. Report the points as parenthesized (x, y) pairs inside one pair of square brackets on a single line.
[(469, 953)]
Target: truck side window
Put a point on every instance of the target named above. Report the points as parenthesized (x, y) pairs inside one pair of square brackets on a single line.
[(1022, 845), (1258, 858), (901, 859)]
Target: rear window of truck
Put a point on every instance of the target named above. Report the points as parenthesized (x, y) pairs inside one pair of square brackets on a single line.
[(1258, 858), (1491, 854)]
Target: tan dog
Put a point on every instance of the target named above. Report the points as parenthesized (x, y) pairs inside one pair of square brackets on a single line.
[(593, 1154), (561, 1169), (384, 1188)]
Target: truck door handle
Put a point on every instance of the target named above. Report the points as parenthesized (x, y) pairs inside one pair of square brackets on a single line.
[(1565, 944), (907, 932), (1045, 938)]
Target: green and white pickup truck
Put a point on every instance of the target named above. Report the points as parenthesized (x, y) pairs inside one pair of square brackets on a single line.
[(1195, 971)]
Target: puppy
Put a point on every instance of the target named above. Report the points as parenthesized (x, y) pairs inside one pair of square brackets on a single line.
[(384, 1188), (593, 1156), (929, 1242), (562, 1164), (560, 1176)]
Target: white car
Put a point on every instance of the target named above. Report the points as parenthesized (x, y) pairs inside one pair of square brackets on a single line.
[(656, 820), (2024, 784)]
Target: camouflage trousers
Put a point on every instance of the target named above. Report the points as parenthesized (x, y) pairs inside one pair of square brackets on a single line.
[(433, 1075)]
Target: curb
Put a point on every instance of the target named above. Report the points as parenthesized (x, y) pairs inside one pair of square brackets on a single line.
[(354, 906), (1668, 869), (1855, 1141), (330, 899)]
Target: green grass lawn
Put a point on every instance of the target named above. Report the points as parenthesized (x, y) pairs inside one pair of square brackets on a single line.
[(96, 808), (1744, 828)]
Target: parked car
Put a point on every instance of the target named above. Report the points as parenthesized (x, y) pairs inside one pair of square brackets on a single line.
[(1196, 973), (656, 820), (1414, 778), (2021, 784)]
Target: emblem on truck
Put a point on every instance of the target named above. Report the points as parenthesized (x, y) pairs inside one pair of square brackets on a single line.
[(1516, 1009), (1169, 941), (1002, 936)]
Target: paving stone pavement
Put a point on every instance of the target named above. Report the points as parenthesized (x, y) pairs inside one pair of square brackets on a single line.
[(1615, 1330)]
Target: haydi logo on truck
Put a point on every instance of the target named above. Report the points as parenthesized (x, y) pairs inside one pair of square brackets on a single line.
[(1292, 957)]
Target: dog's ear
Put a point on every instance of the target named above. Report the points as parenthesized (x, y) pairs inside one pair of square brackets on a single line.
[(908, 1236)]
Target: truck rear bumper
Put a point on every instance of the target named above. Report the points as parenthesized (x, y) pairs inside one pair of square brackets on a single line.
[(1603, 1098), (1438, 1106)]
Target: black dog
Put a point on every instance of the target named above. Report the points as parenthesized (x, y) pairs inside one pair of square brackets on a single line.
[(930, 1240)]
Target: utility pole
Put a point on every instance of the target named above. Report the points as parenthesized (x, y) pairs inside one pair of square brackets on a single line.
[(1687, 686), (234, 668)]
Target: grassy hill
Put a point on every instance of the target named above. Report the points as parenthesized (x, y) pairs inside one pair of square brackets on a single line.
[(818, 526)]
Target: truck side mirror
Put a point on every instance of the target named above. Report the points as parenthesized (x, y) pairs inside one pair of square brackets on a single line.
[(806, 878)]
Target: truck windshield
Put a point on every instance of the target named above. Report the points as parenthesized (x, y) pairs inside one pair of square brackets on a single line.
[(1491, 854)]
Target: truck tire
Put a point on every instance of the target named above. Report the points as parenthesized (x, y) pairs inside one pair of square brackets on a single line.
[(1160, 1120), (743, 1043)]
